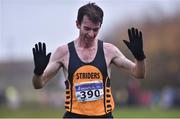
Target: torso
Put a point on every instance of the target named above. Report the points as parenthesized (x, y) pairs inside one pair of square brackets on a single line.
[(87, 79)]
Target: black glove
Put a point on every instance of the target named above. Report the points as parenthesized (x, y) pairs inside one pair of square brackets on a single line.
[(136, 43), (40, 58)]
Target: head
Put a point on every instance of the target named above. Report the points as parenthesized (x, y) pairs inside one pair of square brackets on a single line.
[(89, 21), (92, 11)]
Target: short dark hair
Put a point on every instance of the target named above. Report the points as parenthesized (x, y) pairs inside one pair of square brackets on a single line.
[(94, 13)]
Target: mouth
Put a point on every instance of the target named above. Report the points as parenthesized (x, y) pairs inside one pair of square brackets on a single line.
[(89, 39)]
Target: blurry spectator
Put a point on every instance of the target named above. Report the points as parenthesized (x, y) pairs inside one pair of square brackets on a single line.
[(155, 100), (167, 98), (123, 97), (2, 97), (12, 97), (133, 92), (177, 98), (145, 98)]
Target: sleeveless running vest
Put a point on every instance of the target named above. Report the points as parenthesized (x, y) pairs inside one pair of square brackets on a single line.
[(88, 90)]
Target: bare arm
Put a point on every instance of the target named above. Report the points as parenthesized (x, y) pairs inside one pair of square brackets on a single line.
[(43, 75), (50, 71), (136, 69)]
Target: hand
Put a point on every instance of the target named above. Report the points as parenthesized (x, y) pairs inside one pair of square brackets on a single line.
[(136, 43), (40, 58)]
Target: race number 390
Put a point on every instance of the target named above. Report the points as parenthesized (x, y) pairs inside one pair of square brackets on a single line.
[(90, 94), (89, 91)]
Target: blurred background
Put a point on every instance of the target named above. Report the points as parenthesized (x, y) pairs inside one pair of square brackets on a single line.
[(26, 22)]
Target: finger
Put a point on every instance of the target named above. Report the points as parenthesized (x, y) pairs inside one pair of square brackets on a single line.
[(44, 48), (140, 37), (40, 47), (34, 51), (126, 42), (130, 34), (49, 55), (36, 48), (133, 32), (136, 33), (140, 34), (34, 54)]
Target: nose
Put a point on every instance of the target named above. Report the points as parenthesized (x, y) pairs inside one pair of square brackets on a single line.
[(91, 33)]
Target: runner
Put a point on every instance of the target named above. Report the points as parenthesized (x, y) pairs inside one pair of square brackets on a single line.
[(86, 65)]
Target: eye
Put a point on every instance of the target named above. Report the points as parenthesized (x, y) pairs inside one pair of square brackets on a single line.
[(86, 28), (96, 29)]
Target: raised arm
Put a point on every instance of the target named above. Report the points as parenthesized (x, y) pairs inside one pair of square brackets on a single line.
[(135, 44), (44, 69)]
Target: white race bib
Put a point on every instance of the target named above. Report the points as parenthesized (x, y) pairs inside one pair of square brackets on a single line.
[(89, 91)]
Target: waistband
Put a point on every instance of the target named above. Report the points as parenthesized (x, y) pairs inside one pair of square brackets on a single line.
[(74, 115)]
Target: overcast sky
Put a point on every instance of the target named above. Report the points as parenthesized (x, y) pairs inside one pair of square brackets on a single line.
[(26, 22)]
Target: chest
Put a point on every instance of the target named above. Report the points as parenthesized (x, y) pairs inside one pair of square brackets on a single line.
[(86, 55)]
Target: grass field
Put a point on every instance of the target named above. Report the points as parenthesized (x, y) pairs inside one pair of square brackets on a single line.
[(43, 112)]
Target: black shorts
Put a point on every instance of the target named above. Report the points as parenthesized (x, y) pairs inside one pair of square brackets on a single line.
[(73, 115)]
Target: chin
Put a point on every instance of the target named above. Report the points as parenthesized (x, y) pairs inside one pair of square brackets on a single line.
[(89, 40)]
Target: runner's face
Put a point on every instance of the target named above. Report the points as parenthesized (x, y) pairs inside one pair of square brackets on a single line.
[(88, 29)]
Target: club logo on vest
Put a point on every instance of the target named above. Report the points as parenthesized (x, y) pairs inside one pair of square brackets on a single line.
[(88, 72)]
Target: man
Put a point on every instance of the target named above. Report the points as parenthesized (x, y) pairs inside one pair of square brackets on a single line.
[(86, 66)]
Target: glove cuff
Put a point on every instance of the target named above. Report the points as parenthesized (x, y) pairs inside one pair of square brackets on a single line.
[(38, 72), (140, 57)]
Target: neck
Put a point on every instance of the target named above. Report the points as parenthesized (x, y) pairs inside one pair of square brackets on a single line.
[(86, 44)]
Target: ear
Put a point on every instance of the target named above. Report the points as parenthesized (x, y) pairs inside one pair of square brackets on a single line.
[(78, 24)]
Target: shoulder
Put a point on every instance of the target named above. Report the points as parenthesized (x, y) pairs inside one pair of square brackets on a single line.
[(112, 51), (63, 49), (60, 52), (110, 48)]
